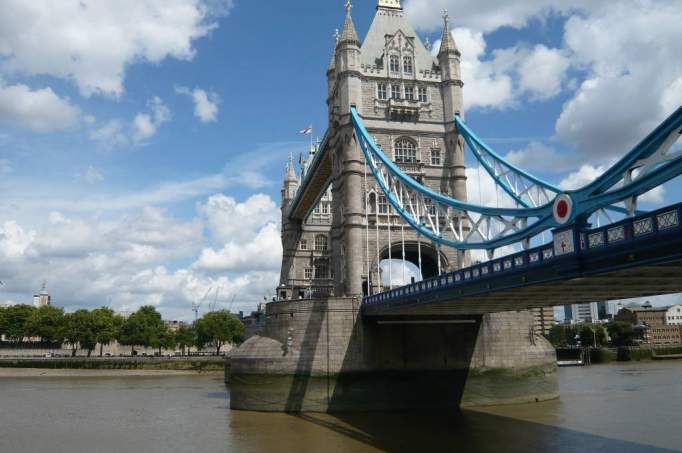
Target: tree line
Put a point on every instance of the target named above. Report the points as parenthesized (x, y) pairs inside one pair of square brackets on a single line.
[(85, 329), (620, 334)]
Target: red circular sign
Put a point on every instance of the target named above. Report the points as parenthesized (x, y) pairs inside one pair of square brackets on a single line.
[(563, 209)]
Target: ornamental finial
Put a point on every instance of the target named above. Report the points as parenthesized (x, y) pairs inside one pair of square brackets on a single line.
[(337, 35), (446, 16), (349, 6)]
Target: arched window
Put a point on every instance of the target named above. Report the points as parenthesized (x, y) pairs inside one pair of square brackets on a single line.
[(394, 63), (405, 151), (321, 243), (407, 65)]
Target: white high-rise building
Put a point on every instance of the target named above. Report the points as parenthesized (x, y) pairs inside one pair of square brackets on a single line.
[(42, 298)]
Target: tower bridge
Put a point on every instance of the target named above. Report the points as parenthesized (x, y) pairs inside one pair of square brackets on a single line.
[(388, 181)]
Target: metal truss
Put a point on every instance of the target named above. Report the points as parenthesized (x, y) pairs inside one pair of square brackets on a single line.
[(450, 222)]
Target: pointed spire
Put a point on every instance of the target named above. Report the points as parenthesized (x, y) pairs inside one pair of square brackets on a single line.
[(290, 171), (332, 65), (447, 44), (348, 34)]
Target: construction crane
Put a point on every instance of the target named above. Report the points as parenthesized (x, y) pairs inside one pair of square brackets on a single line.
[(212, 306), (196, 305)]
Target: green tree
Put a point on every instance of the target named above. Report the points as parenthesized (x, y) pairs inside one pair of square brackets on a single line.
[(621, 333), (80, 331), (16, 322), (184, 337), (591, 335), (106, 325), (143, 328), (164, 339), (2, 321), (218, 328), (47, 323)]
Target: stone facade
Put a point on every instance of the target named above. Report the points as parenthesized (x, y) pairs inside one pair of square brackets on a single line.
[(321, 355), (408, 99)]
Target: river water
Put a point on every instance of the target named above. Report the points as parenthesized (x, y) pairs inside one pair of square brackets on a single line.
[(606, 408)]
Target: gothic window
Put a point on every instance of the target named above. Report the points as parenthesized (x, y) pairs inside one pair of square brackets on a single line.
[(405, 151), (325, 208), (407, 65), (321, 269), (423, 96), (308, 273), (321, 243), (383, 204), (409, 93), (317, 210), (381, 91), (304, 244), (394, 63), (395, 91), (435, 157)]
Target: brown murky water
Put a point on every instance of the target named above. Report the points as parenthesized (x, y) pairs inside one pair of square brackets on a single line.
[(613, 408)]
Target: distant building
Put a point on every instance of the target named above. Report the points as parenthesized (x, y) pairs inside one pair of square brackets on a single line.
[(658, 330), (673, 316), (173, 326), (41, 299), (586, 313)]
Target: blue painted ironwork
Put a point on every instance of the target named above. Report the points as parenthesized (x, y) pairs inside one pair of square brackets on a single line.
[(524, 188), (465, 226), (628, 234)]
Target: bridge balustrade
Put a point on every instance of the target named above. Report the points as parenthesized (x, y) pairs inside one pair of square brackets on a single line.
[(654, 225)]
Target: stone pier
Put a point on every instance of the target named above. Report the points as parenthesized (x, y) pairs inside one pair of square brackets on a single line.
[(322, 356)]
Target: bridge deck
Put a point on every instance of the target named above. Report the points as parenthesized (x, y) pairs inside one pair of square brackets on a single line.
[(634, 258)]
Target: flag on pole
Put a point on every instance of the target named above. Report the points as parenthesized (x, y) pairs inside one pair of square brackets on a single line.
[(307, 131)]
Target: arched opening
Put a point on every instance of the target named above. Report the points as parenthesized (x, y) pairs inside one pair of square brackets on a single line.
[(393, 271)]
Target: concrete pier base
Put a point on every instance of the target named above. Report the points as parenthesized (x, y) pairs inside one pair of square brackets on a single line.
[(322, 356)]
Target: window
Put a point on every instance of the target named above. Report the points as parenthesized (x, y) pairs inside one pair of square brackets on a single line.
[(435, 157), (321, 243), (395, 91), (405, 151), (423, 97), (325, 208), (381, 91), (407, 65), (308, 273), (317, 210), (383, 205), (304, 244), (395, 63), (321, 269), (409, 93)]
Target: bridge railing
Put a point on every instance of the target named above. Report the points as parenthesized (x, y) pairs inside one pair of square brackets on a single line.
[(566, 243)]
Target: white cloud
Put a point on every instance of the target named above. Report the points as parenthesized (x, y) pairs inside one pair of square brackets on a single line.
[(93, 42), (263, 253), (542, 72), (141, 258), (145, 125), (539, 157), (631, 52), (230, 220), (205, 103), (117, 133), (37, 110)]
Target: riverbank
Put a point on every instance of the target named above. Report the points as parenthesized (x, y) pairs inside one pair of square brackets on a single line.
[(193, 364), (69, 373)]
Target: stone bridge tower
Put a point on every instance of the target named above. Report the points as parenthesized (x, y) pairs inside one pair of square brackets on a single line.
[(408, 98)]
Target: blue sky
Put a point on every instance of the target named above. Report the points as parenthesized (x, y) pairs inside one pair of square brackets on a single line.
[(141, 153)]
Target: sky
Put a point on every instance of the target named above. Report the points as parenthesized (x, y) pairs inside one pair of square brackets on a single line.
[(143, 143)]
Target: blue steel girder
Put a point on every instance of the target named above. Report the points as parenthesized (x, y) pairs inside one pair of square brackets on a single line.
[(524, 188), (466, 226)]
